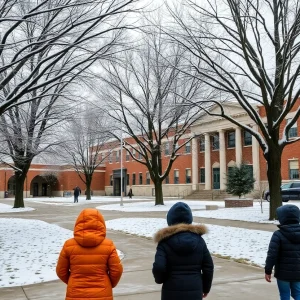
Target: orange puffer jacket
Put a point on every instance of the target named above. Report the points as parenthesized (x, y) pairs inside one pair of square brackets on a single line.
[(89, 263)]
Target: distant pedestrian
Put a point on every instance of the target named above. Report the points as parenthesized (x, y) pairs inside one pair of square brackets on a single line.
[(89, 263), (77, 192), (182, 263), (130, 194), (284, 253)]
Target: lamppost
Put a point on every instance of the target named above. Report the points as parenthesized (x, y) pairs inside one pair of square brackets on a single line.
[(121, 168)]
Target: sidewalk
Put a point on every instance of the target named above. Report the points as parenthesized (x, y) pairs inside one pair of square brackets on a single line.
[(232, 280)]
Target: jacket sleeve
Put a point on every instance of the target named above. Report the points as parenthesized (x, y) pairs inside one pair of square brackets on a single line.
[(207, 270), (115, 268), (63, 266), (159, 269), (273, 252)]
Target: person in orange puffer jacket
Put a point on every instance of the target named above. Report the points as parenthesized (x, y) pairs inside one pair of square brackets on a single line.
[(89, 263)]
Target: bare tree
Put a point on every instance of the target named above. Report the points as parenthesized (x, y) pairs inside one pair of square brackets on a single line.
[(45, 47), (248, 50), (146, 95), (87, 136)]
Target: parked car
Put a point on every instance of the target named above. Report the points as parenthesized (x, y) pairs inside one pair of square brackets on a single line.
[(289, 191)]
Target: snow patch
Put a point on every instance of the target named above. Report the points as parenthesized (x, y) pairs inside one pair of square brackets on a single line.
[(29, 251), (5, 208), (237, 243)]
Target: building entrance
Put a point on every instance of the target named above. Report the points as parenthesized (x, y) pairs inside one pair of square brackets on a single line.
[(117, 182), (216, 178)]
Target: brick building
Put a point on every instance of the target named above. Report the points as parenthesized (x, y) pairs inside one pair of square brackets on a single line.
[(202, 163), (36, 184)]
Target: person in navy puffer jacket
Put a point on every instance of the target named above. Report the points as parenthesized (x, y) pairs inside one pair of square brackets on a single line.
[(183, 263), (284, 253)]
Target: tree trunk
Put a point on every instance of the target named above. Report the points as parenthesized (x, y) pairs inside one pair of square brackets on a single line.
[(88, 190), (19, 197), (274, 178), (159, 200)]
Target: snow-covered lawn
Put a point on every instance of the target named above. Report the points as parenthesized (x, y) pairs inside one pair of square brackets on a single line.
[(235, 242), (29, 250), (69, 201), (149, 206), (248, 214), (5, 208)]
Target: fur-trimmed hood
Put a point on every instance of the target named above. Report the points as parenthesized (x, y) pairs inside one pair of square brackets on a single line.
[(172, 230)]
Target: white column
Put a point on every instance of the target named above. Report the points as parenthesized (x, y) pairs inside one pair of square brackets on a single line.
[(238, 146), (255, 160), (222, 154), (195, 168), (207, 162)]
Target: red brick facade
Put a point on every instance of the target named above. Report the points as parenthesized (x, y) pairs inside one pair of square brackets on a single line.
[(34, 185), (103, 180)]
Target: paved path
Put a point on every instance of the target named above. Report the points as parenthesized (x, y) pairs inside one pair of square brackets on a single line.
[(232, 280)]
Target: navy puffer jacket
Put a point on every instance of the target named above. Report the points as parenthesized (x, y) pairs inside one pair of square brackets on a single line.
[(284, 248)]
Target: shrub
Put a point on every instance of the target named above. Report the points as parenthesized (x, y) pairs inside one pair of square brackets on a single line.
[(240, 180)]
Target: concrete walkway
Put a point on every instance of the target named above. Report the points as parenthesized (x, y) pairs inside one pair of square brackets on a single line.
[(232, 280)]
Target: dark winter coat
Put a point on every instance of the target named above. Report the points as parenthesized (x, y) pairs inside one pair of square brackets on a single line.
[(182, 262), (77, 191), (284, 248)]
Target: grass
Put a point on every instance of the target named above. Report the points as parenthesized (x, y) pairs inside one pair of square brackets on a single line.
[(244, 261)]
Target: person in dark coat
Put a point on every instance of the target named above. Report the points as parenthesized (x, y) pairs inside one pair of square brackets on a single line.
[(77, 192), (284, 253), (182, 263), (130, 194)]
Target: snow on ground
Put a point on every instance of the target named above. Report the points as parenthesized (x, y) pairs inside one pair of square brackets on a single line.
[(248, 214), (149, 206), (5, 208), (69, 201), (29, 250), (224, 240)]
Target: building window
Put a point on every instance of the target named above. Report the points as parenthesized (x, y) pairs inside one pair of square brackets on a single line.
[(110, 157), (117, 156), (176, 176), (133, 152), (202, 175), (293, 169), (231, 139), (140, 155), (147, 178), (176, 146), (247, 138), (250, 169), (167, 148), (127, 156), (133, 179), (127, 178), (140, 178), (293, 132), (167, 180), (229, 169), (111, 180), (188, 174), (215, 142), (188, 147), (202, 144)]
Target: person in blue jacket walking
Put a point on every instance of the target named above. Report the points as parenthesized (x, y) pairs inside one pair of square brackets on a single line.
[(284, 253), (182, 263)]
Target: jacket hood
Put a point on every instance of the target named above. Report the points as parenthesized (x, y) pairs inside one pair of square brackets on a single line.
[(291, 232), (182, 238), (90, 229), (288, 214), (179, 213)]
